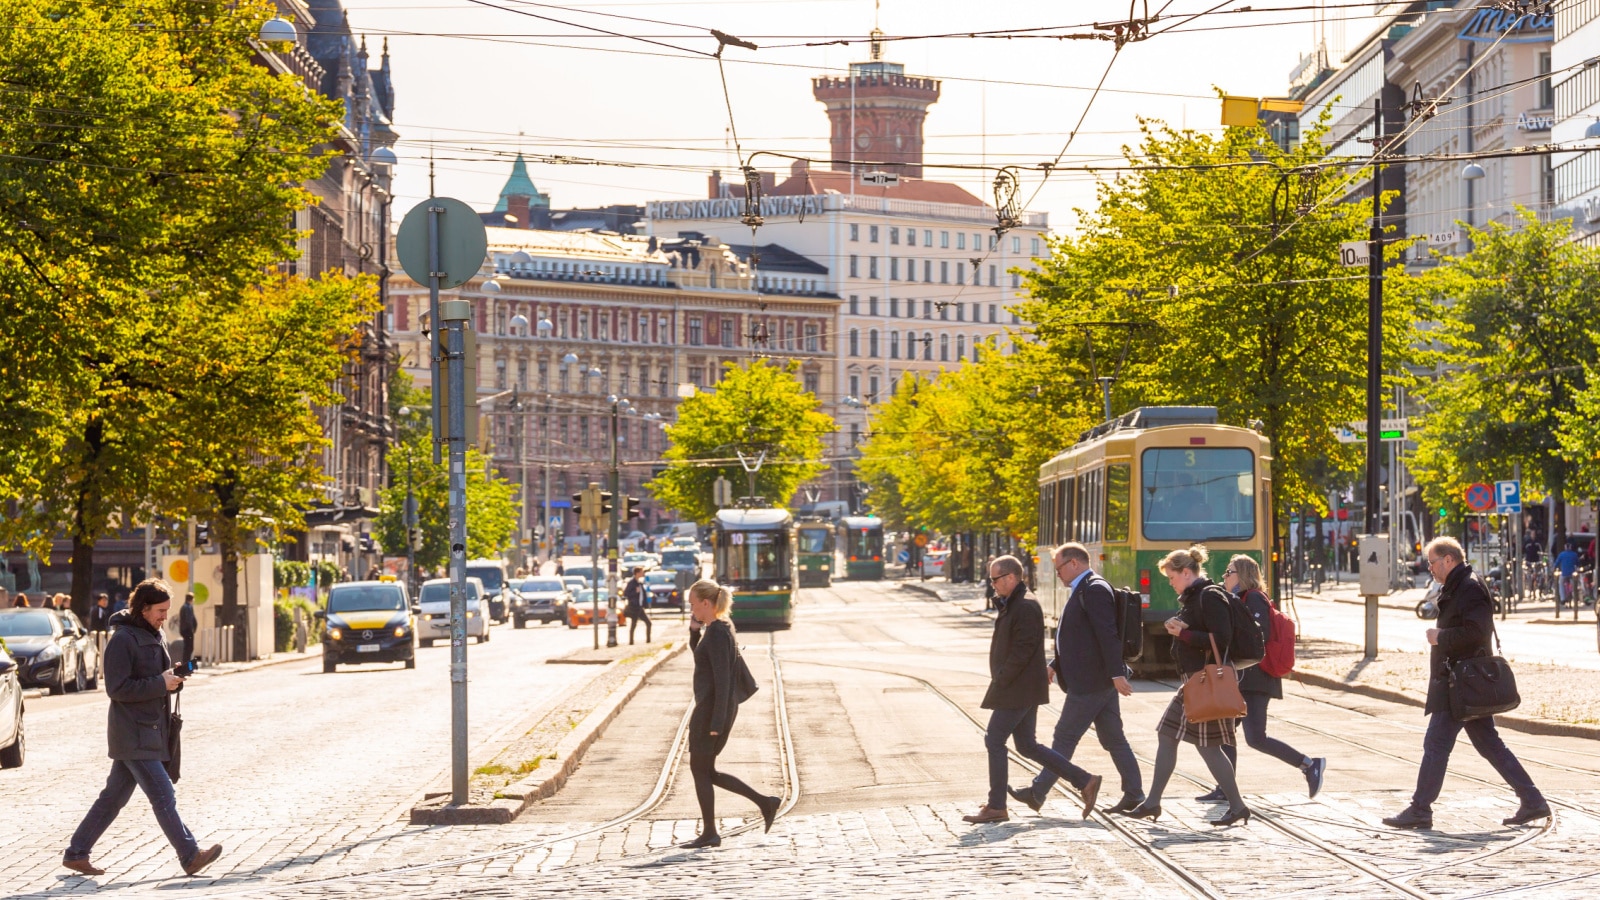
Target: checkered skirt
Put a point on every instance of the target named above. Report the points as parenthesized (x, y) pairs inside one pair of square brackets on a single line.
[(1174, 724)]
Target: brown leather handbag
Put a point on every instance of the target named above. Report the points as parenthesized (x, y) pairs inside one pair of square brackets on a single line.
[(1212, 693)]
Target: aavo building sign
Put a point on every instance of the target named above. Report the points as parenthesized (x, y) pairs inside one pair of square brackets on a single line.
[(1488, 24)]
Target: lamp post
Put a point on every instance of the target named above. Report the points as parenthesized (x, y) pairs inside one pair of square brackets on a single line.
[(409, 517), (618, 508)]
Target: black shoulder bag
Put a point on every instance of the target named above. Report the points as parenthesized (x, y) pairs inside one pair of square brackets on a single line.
[(744, 683), (174, 745), (1482, 686)]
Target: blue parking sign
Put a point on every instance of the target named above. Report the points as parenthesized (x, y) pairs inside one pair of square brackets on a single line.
[(1507, 497)]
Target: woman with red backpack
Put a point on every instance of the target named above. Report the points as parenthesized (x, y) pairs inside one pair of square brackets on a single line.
[(1243, 578)]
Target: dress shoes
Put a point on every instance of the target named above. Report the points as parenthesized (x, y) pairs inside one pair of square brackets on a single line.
[(986, 815), (1145, 811), (1125, 804), (202, 859), (769, 811), (1026, 797), (1528, 813), (83, 867), (1242, 814), (1411, 818), (1091, 791), (1216, 796)]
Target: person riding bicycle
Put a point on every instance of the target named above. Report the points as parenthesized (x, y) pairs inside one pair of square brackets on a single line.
[(1567, 562), (1531, 551)]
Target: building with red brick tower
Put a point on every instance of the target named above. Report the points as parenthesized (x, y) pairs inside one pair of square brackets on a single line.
[(877, 113)]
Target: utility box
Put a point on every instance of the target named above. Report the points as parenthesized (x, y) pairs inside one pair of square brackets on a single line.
[(1377, 563)]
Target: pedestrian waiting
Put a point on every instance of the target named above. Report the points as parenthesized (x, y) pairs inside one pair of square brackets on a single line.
[(1088, 666), (1243, 579), (1462, 632), (100, 613), (718, 691), (1019, 683), (634, 594), (1202, 628)]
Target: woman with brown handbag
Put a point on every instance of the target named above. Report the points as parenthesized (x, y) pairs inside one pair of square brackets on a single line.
[(1202, 628)]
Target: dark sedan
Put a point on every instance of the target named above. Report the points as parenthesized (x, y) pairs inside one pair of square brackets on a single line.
[(47, 654), (662, 589)]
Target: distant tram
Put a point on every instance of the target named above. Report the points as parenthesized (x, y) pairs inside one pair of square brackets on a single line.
[(861, 541), (814, 544), (1151, 481), (753, 554)]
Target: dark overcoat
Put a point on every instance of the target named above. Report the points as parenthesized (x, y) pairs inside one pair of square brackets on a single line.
[(1018, 677), (1088, 651), (1466, 620), (136, 658)]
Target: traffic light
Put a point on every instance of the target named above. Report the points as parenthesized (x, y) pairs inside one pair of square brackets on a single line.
[(415, 536), (630, 508), (580, 503), (605, 503), (202, 533)]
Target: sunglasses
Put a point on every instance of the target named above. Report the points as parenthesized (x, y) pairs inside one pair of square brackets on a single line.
[(1230, 572)]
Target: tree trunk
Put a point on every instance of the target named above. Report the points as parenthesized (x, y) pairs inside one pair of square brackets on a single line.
[(230, 613), (82, 573)]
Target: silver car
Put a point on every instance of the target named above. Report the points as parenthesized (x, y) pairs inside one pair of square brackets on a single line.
[(433, 621), (540, 597)]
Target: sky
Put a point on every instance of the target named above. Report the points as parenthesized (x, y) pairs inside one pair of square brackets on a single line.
[(478, 80)]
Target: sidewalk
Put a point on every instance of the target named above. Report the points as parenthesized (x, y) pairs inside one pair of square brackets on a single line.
[(312, 652)]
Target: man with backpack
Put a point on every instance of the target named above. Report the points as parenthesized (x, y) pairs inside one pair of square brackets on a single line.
[(1089, 667), (1262, 683)]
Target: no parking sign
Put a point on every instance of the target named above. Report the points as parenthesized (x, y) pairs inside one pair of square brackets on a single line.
[(1479, 498)]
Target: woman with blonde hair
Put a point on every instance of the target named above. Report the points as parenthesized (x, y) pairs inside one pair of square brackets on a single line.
[(715, 708), (1204, 619), (1243, 578)]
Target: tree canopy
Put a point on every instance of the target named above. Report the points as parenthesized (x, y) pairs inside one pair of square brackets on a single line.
[(491, 504)]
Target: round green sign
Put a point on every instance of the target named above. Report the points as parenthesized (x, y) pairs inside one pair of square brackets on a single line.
[(463, 243)]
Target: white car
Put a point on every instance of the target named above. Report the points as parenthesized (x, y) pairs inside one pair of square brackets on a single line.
[(433, 623), (631, 561)]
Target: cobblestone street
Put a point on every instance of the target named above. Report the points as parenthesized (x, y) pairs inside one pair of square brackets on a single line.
[(306, 780)]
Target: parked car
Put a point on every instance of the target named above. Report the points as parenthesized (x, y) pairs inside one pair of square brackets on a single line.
[(368, 622), (542, 597), (581, 610), (88, 648), (433, 621), (933, 562), (496, 586), (661, 589), (631, 561), (13, 740), (47, 655)]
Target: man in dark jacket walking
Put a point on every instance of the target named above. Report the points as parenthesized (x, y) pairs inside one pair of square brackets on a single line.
[(100, 613), (1018, 684), (139, 683), (188, 624), (1466, 621), (1088, 666)]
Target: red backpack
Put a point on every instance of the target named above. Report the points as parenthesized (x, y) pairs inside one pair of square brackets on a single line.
[(1279, 658)]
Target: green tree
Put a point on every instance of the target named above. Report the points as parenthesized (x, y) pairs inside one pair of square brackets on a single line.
[(1518, 359), (1219, 263), (757, 407), (152, 167), (251, 456), (491, 505)]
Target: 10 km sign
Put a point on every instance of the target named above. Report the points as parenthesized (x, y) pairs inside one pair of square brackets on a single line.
[(1354, 253)]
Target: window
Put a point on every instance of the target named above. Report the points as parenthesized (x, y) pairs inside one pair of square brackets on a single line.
[(927, 309), (944, 312), (894, 268), (872, 306), (855, 342), (727, 332), (911, 237), (522, 374), (855, 232), (499, 373), (961, 273), (855, 305), (944, 348), (872, 267), (697, 376), (583, 431), (855, 386), (811, 338), (566, 380), (544, 375), (872, 389), (1016, 244), (644, 381), (927, 270), (622, 378), (992, 311), (1197, 494), (927, 237), (894, 235), (1547, 91), (872, 233), (583, 326), (661, 383), (694, 331), (894, 345), (961, 312), (977, 241), (855, 265), (663, 329), (811, 382), (961, 240), (944, 240), (927, 346), (961, 346), (788, 336), (644, 327), (944, 271), (872, 343), (1016, 280), (1033, 247)]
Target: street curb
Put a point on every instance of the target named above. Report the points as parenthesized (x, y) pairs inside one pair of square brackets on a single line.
[(513, 799), (1523, 724)]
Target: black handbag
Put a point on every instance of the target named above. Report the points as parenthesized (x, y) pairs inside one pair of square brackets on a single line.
[(174, 743), (744, 682), (1482, 686)]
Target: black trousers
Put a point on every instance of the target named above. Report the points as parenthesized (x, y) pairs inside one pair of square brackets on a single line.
[(636, 614), (703, 751), (188, 645)]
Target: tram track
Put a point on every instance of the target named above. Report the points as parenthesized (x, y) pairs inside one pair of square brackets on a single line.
[(659, 793)]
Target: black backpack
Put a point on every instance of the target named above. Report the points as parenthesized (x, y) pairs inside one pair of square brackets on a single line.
[(1130, 622), (1247, 645)]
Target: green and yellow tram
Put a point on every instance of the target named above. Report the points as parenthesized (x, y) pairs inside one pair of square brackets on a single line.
[(1151, 481), (814, 547), (861, 541), (752, 554)]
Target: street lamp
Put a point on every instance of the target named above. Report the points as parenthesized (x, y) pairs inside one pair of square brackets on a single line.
[(409, 518), (1470, 173)]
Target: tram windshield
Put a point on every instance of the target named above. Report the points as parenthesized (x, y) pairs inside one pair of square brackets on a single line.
[(864, 543), (746, 556), (1197, 494), (813, 540)]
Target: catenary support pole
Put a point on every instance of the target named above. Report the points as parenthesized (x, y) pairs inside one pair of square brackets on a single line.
[(615, 532), (1374, 358), (453, 316)]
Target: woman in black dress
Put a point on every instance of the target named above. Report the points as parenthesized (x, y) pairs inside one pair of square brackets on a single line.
[(1204, 616), (715, 708)]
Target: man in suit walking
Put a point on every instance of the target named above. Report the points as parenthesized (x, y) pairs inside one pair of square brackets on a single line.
[(1018, 684), (1088, 666)]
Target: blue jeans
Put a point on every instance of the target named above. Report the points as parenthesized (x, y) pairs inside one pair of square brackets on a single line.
[(151, 777), (1441, 739), (1255, 734), (1103, 710), (1019, 725)]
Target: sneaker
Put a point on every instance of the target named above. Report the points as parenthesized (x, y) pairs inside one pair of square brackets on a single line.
[(1314, 773), (1411, 818)]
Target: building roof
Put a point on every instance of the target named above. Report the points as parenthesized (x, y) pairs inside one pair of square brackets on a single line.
[(595, 245), (811, 181), (520, 184), (778, 258)]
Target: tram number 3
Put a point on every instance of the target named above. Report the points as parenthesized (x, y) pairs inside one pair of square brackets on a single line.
[(1188, 459)]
